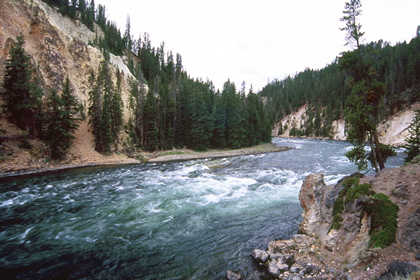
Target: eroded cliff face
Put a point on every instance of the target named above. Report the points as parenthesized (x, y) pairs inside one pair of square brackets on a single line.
[(392, 131), (59, 48)]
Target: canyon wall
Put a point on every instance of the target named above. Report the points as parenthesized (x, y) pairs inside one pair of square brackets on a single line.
[(59, 47), (392, 131)]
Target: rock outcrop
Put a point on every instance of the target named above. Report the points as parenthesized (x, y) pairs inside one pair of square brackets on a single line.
[(324, 252), (392, 131), (352, 238), (59, 47)]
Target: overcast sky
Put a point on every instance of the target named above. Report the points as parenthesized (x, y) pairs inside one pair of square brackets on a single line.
[(257, 41)]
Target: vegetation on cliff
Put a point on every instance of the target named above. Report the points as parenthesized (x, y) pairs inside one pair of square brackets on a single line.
[(105, 109), (20, 94), (53, 121), (176, 110), (363, 103), (363, 86), (61, 122), (381, 210), (166, 108), (326, 90), (413, 141)]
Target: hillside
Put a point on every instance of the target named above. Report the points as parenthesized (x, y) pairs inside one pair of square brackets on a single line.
[(314, 102), (59, 48), (392, 131), (162, 107)]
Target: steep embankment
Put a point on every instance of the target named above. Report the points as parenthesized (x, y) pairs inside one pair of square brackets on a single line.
[(346, 251), (59, 48), (392, 131)]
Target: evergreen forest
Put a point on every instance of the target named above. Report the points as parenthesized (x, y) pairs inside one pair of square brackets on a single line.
[(326, 90), (167, 108)]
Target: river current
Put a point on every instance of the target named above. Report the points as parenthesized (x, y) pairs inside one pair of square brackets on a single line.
[(180, 220)]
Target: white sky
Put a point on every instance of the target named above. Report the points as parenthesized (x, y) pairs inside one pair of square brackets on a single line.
[(257, 41)]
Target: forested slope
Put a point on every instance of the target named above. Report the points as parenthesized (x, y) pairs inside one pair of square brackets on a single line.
[(325, 91), (130, 94)]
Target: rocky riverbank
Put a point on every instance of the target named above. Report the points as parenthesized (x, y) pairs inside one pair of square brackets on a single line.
[(323, 252)]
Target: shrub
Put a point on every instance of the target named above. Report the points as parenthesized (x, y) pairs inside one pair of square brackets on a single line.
[(384, 214), (358, 191), (381, 209), (339, 202), (350, 181)]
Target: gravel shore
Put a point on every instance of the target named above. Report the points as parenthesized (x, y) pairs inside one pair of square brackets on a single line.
[(189, 155), (16, 167)]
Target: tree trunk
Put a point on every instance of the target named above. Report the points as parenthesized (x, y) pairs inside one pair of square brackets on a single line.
[(378, 151), (373, 151)]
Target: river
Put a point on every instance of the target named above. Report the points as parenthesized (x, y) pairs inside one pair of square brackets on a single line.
[(180, 220)]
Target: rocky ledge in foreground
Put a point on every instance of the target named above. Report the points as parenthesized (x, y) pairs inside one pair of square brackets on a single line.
[(297, 258), (360, 228)]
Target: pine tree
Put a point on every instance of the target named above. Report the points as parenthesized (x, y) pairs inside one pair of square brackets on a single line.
[(20, 97), (101, 110), (116, 109), (413, 140), (254, 121), (128, 42), (82, 10), (362, 106), (90, 15), (202, 126), (73, 9), (61, 121), (353, 10), (219, 126), (151, 141), (235, 117)]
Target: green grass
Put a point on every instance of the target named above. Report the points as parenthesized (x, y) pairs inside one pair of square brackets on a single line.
[(169, 153)]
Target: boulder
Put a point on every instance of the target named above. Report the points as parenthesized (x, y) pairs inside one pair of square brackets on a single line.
[(294, 277), (278, 248), (410, 233), (231, 275), (273, 269), (398, 268), (282, 267), (288, 259), (301, 238), (312, 270), (315, 213), (401, 268), (295, 269), (260, 255), (308, 190)]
